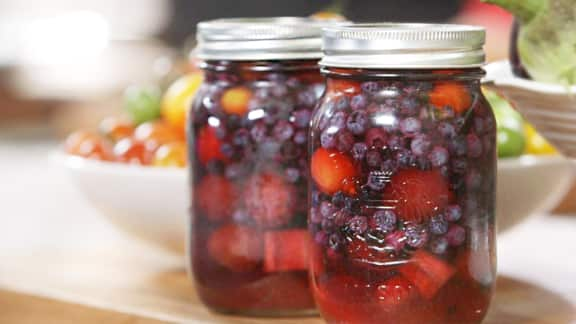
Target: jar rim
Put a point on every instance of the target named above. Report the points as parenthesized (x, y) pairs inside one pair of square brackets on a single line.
[(272, 38), (403, 45)]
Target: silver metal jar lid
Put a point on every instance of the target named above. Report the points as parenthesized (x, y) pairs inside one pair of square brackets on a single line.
[(406, 46), (279, 38)]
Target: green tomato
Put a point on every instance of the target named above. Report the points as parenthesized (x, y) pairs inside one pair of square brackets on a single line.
[(511, 137), (510, 142), (142, 103)]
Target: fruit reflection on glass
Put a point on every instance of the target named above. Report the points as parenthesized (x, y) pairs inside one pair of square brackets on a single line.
[(152, 133)]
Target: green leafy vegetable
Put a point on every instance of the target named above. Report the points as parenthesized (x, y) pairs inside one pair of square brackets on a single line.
[(547, 38)]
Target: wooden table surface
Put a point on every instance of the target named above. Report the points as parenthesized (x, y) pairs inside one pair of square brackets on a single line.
[(60, 262)]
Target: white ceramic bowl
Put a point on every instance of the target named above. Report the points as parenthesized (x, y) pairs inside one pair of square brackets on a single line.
[(550, 108), (152, 203)]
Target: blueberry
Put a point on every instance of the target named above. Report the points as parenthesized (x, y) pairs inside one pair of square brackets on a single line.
[(301, 118), (292, 174), (416, 236), (474, 146), (300, 137), (345, 141), (241, 137), (376, 138), (236, 170), (357, 122), (458, 146), (459, 166), (342, 103), (351, 204), (328, 225), (438, 156), (384, 220), (315, 216), (220, 131), (389, 166), (373, 159), (447, 130), (338, 199), (409, 106), (439, 245), (341, 217), (358, 102), (289, 151), (338, 120), (321, 238), (420, 145), (396, 240), (327, 209), (456, 235), (233, 122), (410, 126), (377, 180), (473, 180), (396, 142), (405, 158), (438, 225), (453, 213), (479, 125), (283, 131), (423, 163), (279, 90), (357, 225), (240, 216), (359, 150), (328, 138), (335, 241), (370, 87), (307, 98), (258, 132), (215, 167), (227, 150)]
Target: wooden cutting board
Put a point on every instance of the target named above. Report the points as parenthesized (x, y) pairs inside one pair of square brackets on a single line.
[(145, 286)]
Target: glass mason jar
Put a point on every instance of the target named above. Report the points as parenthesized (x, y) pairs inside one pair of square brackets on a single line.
[(402, 185), (249, 138)]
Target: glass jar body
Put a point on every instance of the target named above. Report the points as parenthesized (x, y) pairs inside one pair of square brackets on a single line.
[(249, 243), (402, 193)]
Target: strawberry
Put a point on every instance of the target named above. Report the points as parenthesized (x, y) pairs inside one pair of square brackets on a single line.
[(208, 145), (238, 248), (362, 253), (286, 250), (427, 273), (417, 195), (333, 171), (450, 94), (269, 200), (395, 291), (216, 197)]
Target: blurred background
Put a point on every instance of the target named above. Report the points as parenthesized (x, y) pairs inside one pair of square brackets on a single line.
[(64, 65)]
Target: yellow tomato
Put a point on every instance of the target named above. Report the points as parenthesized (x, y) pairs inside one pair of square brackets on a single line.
[(178, 98), (536, 144), (171, 155)]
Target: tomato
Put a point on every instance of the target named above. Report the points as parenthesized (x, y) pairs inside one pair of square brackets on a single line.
[(115, 129), (171, 155), (536, 144), (88, 145), (178, 98)]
